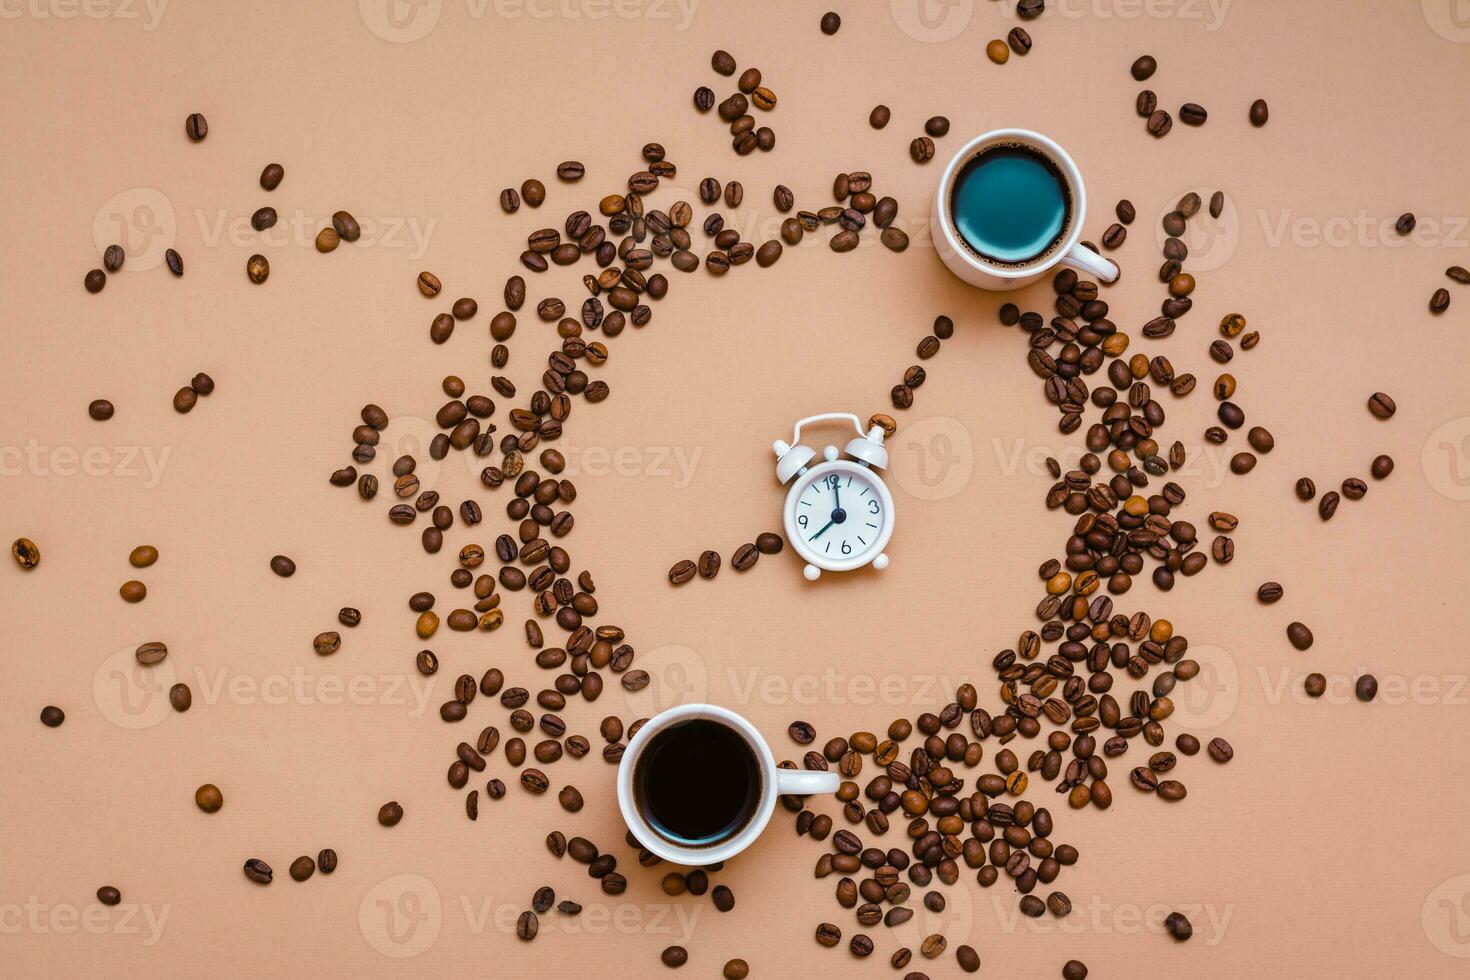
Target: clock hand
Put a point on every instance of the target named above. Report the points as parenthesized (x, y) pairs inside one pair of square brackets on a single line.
[(822, 531), (836, 497)]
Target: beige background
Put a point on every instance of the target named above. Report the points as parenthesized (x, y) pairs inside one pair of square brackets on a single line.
[(1333, 845)]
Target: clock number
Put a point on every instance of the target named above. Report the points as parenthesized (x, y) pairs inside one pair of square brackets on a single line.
[(873, 507), (846, 548), (801, 521)]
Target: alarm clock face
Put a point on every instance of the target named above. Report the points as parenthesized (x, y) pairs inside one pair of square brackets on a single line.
[(839, 516)]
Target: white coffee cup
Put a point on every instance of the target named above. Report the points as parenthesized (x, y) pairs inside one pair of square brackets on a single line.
[(977, 270), (775, 782)]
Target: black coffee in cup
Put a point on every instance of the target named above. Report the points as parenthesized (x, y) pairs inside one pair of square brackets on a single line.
[(1010, 204), (697, 783)]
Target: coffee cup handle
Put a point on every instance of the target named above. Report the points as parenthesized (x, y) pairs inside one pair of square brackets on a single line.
[(1084, 259), (795, 782)]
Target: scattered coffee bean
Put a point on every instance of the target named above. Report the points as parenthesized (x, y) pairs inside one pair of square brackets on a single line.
[(52, 716), (1299, 635), (271, 176), (391, 812), (1259, 113), (196, 127), (879, 117), (302, 868), (1144, 67), (1366, 688), (101, 410), (1178, 926), (998, 51), (258, 871), (283, 566), (830, 23), (1382, 466), (208, 798)]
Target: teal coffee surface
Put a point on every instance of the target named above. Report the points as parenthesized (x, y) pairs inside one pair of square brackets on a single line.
[(1010, 204)]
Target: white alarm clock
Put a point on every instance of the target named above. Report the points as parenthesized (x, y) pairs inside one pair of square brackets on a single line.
[(839, 513)]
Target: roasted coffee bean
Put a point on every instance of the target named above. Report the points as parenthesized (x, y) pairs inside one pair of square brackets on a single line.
[(390, 813), (1299, 635), (1354, 488), (1146, 103), (101, 410), (1192, 114), (769, 543), (1221, 750), (709, 564), (1269, 592), (1327, 506), (1177, 925), (263, 218), (258, 871), (1259, 113), (1020, 42), (745, 557), (1439, 301), (921, 149), (196, 127), (1366, 688), (1144, 67), (1381, 405), (674, 957), (570, 170), (830, 23), (1405, 224), (52, 716), (723, 62), (180, 698), (526, 926), (828, 934), (1382, 467), (151, 653), (879, 117), (1305, 489), (174, 261), (704, 98), (209, 798), (1160, 122), (302, 868), (283, 566), (682, 572)]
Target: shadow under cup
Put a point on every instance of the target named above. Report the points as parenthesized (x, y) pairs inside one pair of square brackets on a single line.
[(1011, 205), (698, 783)]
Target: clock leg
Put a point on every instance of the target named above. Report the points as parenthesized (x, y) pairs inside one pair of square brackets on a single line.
[(811, 572), (881, 562)]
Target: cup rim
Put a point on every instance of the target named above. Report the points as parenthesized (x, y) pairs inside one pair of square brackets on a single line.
[(695, 856), (1060, 156)]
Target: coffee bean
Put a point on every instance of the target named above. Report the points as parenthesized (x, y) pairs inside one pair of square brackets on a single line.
[(1178, 926), (203, 384), (1299, 635), (533, 192), (101, 410), (1366, 688), (1217, 204), (570, 170), (185, 399), (674, 957), (709, 564), (704, 98), (1160, 122), (934, 945), (1144, 67), (682, 572), (1192, 114), (258, 871), (1305, 488), (180, 698), (1114, 236), (723, 62), (527, 926), (174, 261), (271, 176), (113, 257), (879, 117), (208, 798), (1354, 488), (346, 226), (109, 895), (94, 281), (1074, 970), (151, 653), (1259, 112), (861, 945), (1019, 40), (133, 591), (1315, 685), (1381, 405), (1260, 439), (998, 51), (745, 557), (1146, 103), (1269, 592), (828, 935), (326, 644), (936, 126), (326, 861), (391, 812), (1221, 750), (302, 868), (257, 268), (921, 149), (196, 127), (52, 716), (283, 566), (1327, 506), (1405, 224), (1439, 301), (830, 23), (1382, 467), (263, 218)]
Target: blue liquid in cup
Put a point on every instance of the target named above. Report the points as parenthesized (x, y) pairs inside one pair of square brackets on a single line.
[(1010, 204)]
